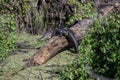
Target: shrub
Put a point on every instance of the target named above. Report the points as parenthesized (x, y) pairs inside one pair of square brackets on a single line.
[(7, 35), (100, 49), (105, 46)]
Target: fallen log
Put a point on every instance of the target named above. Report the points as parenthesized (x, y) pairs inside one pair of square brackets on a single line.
[(56, 44)]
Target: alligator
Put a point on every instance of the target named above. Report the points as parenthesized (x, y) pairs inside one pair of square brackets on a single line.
[(68, 33), (62, 31), (47, 35)]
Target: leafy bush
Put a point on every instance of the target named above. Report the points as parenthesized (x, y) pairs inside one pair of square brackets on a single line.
[(7, 35), (77, 70), (100, 49), (105, 46), (82, 10)]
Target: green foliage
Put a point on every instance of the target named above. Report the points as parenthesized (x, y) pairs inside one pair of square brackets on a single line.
[(81, 11), (7, 35), (100, 49), (105, 41), (77, 70)]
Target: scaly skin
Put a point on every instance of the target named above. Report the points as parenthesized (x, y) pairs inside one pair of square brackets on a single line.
[(72, 39), (69, 36)]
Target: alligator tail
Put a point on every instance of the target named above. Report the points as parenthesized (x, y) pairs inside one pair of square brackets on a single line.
[(72, 39)]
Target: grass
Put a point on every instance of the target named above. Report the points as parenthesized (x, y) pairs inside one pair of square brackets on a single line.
[(13, 63)]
